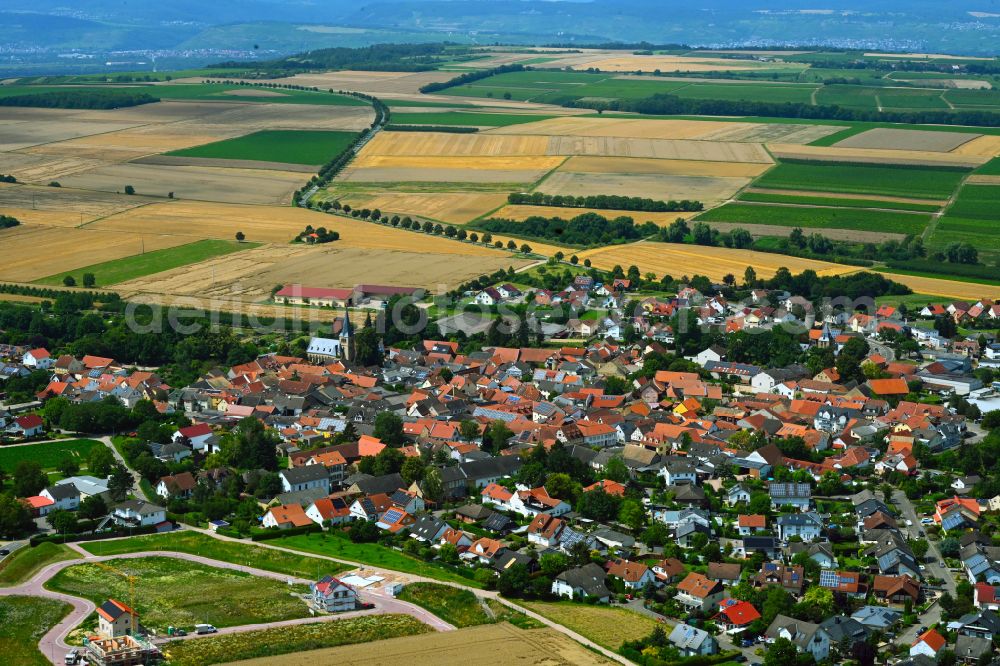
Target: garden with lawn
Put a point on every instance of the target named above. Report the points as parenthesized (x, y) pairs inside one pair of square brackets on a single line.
[(48, 455)]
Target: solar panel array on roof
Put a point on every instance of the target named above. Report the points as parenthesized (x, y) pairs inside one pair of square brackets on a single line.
[(391, 516)]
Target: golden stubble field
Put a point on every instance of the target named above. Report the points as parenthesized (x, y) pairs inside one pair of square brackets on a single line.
[(34, 252), (535, 647), (249, 276), (448, 207), (712, 262)]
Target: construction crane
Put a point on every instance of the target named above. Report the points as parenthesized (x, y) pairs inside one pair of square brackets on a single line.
[(131, 593)]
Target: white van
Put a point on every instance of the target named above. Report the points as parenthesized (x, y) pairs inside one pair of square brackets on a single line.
[(204, 629)]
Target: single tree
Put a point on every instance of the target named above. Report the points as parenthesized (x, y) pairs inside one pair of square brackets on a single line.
[(240, 236)]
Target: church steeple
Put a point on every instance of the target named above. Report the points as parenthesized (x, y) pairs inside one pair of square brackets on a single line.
[(347, 346)]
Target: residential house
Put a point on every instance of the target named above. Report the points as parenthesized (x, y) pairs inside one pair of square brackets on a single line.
[(173, 486), (699, 594), (635, 575), (115, 619), (331, 595), (137, 513), (580, 583), (691, 641), (806, 636), (806, 526), (286, 516), (734, 616), (790, 577), (65, 497), (896, 590), (928, 644), (306, 477), (796, 495)]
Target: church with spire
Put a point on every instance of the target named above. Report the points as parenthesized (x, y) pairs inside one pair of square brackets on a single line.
[(341, 348)]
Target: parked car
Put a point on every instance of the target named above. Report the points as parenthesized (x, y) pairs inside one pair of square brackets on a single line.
[(73, 656)]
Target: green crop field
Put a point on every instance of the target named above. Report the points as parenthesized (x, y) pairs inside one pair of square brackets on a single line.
[(837, 202), (818, 218), (285, 146), (47, 454), (23, 622), (461, 118), (887, 180), (981, 202), (292, 564), (991, 168), (207, 91), (174, 592), (157, 261), (751, 92)]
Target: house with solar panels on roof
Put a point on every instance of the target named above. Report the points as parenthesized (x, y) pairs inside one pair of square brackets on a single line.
[(691, 641), (331, 595)]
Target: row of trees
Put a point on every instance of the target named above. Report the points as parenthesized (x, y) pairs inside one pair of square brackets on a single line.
[(584, 230), (81, 98), (670, 105), (604, 202)]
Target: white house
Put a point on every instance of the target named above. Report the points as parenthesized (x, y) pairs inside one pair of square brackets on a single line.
[(137, 513), (39, 359), (27, 425), (807, 526), (306, 477), (65, 497), (691, 641), (677, 471), (582, 583), (195, 435), (331, 595)]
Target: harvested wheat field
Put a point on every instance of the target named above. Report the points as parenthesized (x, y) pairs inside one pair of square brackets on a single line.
[(664, 149), (450, 207), (521, 213), (373, 82), (139, 141), (620, 127), (772, 132), (982, 179), (62, 206), (898, 139), (757, 230), (442, 144), (658, 187), (537, 647), (44, 129), (874, 155), (254, 186), (713, 262), (642, 165), (36, 252), (512, 178), (478, 163), (967, 291), (249, 276), (278, 225), (985, 146)]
